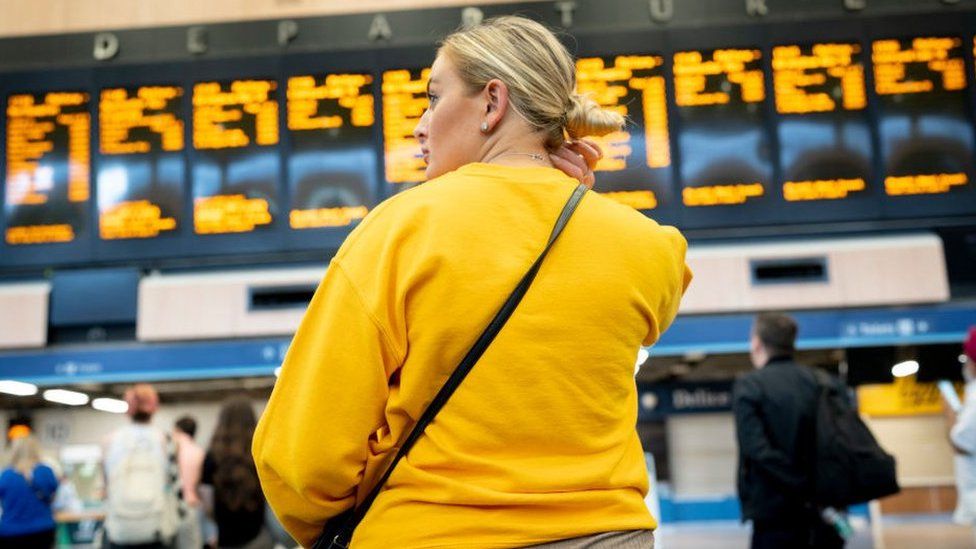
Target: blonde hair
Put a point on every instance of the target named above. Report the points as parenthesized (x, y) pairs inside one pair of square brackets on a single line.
[(25, 455), (539, 72)]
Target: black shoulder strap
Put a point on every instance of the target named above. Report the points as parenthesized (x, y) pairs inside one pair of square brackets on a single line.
[(344, 535)]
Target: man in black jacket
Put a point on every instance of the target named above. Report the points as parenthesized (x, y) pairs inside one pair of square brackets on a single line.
[(774, 418)]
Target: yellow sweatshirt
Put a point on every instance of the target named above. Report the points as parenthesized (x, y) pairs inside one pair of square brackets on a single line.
[(539, 442)]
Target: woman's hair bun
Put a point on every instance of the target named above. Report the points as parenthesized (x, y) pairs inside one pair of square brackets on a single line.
[(585, 117)]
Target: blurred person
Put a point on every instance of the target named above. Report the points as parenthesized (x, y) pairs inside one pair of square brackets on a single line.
[(538, 445), (962, 436), (17, 430), (27, 489), (238, 504), (21, 427), (141, 477), (775, 411), (189, 457)]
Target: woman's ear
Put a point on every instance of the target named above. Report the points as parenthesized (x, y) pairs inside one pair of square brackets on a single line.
[(496, 102)]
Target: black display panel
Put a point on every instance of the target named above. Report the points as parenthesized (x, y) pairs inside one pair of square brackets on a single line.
[(723, 141), (404, 102), (636, 164), (937, 362), (47, 183), (140, 169), (236, 167), (735, 132), (924, 124), (826, 167), (332, 165)]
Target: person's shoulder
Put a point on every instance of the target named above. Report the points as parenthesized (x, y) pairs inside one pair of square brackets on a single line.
[(434, 192), (624, 219), (822, 377), (747, 378), (752, 383), (195, 451), (7, 478), (45, 470), (408, 212), (115, 435), (388, 216)]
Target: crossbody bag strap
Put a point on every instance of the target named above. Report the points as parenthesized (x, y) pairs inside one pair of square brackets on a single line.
[(341, 540)]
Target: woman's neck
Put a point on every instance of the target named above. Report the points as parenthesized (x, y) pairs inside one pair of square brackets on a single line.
[(520, 159), (508, 148)]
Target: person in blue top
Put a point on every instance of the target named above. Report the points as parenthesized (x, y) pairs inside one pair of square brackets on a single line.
[(27, 489)]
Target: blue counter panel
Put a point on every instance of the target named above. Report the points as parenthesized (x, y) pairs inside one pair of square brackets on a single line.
[(834, 328), (146, 362), (944, 323)]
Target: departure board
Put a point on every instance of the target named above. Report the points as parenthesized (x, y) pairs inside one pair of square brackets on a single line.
[(635, 168), (140, 169), (824, 134), (404, 102), (925, 126), (332, 166), (723, 144), (47, 182), (753, 129), (235, 174)]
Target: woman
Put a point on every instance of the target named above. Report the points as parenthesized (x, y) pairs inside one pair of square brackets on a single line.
[(27, 489), (538, 444), (230, 481)]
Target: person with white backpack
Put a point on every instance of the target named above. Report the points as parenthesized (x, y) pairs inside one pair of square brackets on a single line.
[(141, 478)]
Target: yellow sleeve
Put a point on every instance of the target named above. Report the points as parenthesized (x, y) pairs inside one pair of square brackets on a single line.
[(311, 444), (677, 276)]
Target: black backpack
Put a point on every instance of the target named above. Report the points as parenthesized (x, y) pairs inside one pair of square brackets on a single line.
[(849, 466)]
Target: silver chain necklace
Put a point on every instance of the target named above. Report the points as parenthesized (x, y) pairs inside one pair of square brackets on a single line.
[(534, 156)]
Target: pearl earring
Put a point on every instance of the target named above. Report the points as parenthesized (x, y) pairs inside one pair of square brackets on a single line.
[(484, 127)]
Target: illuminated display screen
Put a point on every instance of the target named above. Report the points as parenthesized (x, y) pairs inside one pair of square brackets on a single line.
[(925, 129), (824, 135), (235, 134), (47, 181), (332, 166), (404, 102), (723, 145), (635, 168), (140, 170), (282, 154)]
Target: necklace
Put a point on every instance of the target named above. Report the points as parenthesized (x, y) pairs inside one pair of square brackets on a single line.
[(533, 156)]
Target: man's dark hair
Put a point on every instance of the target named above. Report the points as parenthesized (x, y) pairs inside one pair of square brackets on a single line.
[(188, 425), (776, 332)]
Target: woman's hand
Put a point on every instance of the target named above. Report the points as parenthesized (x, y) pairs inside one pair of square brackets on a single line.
[(577, 160)]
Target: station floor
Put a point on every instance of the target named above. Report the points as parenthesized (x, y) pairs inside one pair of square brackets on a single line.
[(898, 532)]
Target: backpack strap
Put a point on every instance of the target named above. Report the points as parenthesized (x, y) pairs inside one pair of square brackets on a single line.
[(820, 377)]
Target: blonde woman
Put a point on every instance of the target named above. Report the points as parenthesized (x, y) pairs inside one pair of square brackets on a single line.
[(538, 445), (27, 489)]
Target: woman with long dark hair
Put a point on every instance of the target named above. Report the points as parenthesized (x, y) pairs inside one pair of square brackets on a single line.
[(237, 501)]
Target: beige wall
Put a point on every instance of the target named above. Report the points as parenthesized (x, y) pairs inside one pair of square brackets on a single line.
[(26, 17), (56, 427), (919, 445), (702, 453)]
